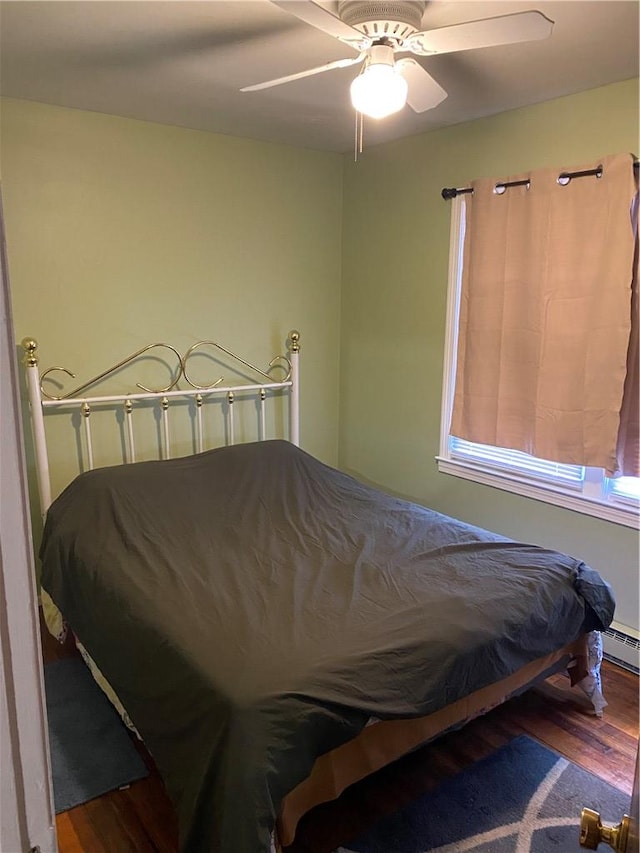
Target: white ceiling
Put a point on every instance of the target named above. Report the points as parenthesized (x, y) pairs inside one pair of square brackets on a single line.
[(183, 63)]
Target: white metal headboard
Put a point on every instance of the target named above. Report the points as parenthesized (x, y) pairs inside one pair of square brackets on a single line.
[(42, 402)]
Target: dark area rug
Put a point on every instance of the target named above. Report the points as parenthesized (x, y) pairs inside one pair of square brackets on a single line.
[(91, 749), (523, 798)]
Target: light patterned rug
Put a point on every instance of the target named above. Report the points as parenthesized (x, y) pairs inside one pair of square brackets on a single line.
[(523, 798)]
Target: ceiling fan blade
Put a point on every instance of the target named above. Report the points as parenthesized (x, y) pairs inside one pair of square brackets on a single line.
[(338, 63), (321, 18), (424, 93), (505, 29)]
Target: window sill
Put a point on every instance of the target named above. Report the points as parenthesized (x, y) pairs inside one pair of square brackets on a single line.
[(546, 492)]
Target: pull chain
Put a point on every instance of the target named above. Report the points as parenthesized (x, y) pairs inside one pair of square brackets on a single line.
[(359, 132)]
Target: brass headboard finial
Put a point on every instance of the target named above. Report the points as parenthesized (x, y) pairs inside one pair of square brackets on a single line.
[(294, 338), (30, 345)]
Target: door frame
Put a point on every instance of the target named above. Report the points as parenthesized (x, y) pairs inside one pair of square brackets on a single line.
[(27, 815)]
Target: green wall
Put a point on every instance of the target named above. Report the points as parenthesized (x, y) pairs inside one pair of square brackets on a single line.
[(122, 232), (394, 287)]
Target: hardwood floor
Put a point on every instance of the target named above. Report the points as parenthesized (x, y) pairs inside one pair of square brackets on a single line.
[(141, 819)]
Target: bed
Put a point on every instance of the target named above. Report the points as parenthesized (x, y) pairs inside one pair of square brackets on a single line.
[(276, 629)]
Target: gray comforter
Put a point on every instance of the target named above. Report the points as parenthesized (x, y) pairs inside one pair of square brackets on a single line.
[(253, 608)]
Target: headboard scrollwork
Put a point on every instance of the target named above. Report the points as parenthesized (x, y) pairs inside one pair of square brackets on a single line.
[(41, 399)]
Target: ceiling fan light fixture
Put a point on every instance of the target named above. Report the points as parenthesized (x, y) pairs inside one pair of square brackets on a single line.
[(380, 90)]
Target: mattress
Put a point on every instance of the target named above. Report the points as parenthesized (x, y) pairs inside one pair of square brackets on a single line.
[(253, 609)]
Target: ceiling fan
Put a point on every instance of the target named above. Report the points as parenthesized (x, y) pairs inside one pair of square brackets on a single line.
[(380, 31)]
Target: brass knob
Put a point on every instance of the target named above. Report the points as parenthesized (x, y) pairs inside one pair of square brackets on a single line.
[(294, 340), (30, 345), (593, 832)]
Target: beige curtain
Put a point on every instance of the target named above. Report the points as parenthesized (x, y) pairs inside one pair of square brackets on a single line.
[(545, 314), (629, 432)]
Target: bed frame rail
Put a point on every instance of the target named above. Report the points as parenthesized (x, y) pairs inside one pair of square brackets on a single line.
[(41, 402)]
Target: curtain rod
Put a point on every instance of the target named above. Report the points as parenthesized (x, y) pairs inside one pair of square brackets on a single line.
[(563, 179)]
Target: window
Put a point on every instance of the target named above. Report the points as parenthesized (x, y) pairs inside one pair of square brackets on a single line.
[(575, 487)]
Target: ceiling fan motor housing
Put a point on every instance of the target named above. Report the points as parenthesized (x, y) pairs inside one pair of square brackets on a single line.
[(379, 19)]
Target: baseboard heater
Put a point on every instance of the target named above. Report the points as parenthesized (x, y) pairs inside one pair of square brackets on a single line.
[(621, 647)]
